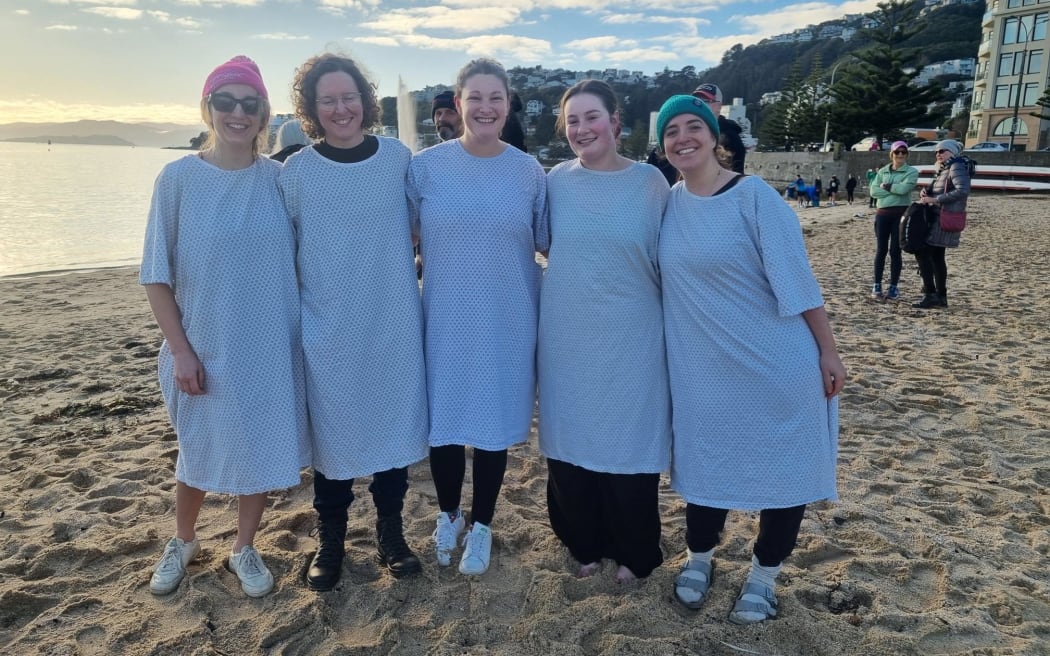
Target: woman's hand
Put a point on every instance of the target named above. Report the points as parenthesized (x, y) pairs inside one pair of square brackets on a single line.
[(833, 372), (189, 373)]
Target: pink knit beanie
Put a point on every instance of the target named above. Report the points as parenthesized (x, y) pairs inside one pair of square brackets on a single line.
[(239, 70)]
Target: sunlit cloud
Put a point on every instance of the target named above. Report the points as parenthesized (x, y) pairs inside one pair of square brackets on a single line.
[(221, 3), (112, 3), (793, 17), (21, 12), (478, 19), (519, 48), (280, 36), (121, 13), (61, 28), (338, 7), (37, 110), (168, 19), (600, 43)]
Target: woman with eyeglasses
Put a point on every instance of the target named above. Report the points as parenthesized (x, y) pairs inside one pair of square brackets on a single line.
[(219, 272), (483, 216), (362, 320), (949, 190), (753, 365), (891, 190)]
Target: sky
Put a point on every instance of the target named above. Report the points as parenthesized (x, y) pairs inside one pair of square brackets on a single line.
[(146, 60)]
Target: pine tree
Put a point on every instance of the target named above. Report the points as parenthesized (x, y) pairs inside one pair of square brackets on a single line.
[(876, 95), (1044, 104)]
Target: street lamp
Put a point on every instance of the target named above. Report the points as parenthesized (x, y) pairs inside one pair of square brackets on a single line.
[(827, 121), (1020, 81)]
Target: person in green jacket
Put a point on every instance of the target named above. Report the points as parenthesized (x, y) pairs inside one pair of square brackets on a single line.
[(891, 190), (871, 179)]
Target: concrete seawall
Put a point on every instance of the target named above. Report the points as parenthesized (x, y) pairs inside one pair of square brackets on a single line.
[(780, 169)]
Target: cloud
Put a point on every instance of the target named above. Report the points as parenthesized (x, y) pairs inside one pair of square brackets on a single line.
[(519, 48), (400, 21), (113, 3), (63, 28), (600, 43), (386, 41), (221, 3), (21, 12), (792, 17), (338, 6), (42, 110), (280, 36), (121, 13)]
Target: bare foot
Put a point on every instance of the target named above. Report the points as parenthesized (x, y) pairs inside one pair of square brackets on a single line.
[(590, 569), (625, 575)]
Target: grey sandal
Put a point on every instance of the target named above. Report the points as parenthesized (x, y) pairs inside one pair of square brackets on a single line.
[(760, 600), (695, 577)]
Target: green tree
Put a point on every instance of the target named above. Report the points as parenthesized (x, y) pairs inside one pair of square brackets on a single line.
[(1044, 105), (544, 129), (198, 141), (876, 94), (637, 145), (388, 110)]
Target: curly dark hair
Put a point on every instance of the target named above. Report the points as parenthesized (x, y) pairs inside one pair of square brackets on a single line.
[(304, 91)]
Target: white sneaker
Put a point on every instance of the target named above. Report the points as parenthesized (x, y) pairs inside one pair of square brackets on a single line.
[(446, 535), (248, 565), (477, 548), (172, 566)]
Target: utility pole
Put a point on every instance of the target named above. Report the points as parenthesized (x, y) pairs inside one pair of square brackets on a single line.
[(1020, 80)]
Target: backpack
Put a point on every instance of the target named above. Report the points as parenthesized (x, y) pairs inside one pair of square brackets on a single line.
[(971, 164), (915, 227)]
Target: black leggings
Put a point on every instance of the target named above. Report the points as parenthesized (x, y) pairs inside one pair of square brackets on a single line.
[(887, 240), (933, 269), (448, 466), (332, 497), (777, 531)]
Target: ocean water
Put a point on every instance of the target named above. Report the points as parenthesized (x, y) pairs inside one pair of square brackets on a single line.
[(68, 207)]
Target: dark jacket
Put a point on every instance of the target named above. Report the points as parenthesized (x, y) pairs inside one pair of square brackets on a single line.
[(512, 130), (729, 139)]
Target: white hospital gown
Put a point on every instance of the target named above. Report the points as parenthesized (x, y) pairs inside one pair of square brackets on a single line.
[(752, 427), (223, 242), (481, 220), (362, 321), (604, 398)]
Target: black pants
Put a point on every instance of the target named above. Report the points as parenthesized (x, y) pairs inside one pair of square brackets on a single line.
[(871, 201), (332, 497), (448, 466), (888, 240), (777, 531), (599, 515), (849, 195), (933, 269)]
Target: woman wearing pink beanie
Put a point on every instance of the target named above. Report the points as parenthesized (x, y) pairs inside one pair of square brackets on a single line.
[(219, 271)]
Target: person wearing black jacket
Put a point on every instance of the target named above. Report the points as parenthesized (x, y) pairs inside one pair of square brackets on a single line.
[(729, 131)]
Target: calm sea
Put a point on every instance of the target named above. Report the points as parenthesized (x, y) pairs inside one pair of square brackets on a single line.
[(74, 207)]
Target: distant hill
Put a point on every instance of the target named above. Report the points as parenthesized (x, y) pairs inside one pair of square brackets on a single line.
[(952, 32), (93, 140), (150, 135)]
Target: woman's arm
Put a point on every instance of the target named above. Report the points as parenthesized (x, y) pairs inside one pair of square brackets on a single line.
[(831, 367), (189, 373)]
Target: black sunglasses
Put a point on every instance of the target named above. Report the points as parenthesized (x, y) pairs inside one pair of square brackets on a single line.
[(224, 102), (942, 150), (900, 151)]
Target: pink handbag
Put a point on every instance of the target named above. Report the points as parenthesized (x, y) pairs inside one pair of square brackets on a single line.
[(952, 221)]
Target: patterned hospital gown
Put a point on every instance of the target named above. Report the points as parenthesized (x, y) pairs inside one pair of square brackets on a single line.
[(223, 242), (362, 321), (604, 398), (481, 220), (752, 428)]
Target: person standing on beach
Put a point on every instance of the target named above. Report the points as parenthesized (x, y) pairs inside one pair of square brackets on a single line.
[(949, 190), (728, 131), (362, 320), (871, 179), (891, 190), (447, 121), (752, 359), (851, 185), (483, 216), (218, 268), (605, 407), (833, 189)]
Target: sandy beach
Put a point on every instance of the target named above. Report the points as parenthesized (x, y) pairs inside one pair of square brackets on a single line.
[(940, 543)]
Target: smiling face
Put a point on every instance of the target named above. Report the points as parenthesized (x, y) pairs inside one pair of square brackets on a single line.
[(235, 128), (483, 104), (339, 109), (590, 129), (689, 143)]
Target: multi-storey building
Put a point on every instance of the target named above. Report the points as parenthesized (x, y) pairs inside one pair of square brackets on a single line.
[(1011, 74)]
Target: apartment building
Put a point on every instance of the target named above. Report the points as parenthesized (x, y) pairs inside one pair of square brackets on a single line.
[(1011, 74)]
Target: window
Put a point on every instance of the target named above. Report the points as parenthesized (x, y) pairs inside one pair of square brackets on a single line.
[(1031, 93), (1035, 62), (1010, 63), (1002, 129), (1004, 94), (1020, 29)]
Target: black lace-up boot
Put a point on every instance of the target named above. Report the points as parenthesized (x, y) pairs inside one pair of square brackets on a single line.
[(391, 549), (327, 565)]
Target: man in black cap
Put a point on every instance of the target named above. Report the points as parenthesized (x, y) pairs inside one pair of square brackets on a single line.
[(729, 137), (446, 118)]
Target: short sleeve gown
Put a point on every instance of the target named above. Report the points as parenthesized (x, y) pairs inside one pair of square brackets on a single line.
[(481, 221), (362, 320), (752, 427), (223, 242)]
